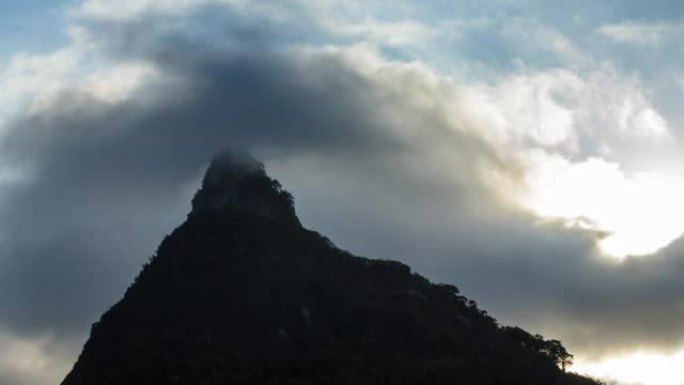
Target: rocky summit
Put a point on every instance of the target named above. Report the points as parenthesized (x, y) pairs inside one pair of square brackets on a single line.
[(241, 293)]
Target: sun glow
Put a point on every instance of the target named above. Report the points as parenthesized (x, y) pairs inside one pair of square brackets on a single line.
[(643, 368), (635, 215)]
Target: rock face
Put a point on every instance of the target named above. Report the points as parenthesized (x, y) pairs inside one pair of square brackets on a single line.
[(241, 293)]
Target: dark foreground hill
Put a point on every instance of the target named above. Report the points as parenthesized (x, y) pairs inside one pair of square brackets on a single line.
[(241, 293)]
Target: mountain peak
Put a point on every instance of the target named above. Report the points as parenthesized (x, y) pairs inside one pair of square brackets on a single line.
[(238, 294), (237, 182), (232, 163)]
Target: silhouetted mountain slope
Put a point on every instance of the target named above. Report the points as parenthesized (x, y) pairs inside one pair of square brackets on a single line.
[(241, 293)]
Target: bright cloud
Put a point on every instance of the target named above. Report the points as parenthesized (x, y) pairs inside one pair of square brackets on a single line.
[(640, 214), (639, 368), (118, 84), (561, 125), (27, 76), (28, 359), (33, 82), (391, 33), (561, 107), (539, 122), (127, 9), (635, 32)]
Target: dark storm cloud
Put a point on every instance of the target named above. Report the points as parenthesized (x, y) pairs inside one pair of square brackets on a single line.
[(106, 181)]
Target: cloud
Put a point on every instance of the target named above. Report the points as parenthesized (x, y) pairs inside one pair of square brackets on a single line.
[(642, 367), (568, 110), (391, 33), (542, 40), (130, 9), (25, 75), (97, 170), (28, 361), (32, 82), (635, 32), (561, 125), (640, 214)]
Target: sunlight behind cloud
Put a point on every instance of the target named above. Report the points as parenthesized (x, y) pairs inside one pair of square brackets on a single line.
[(639, 213), (641, 367)]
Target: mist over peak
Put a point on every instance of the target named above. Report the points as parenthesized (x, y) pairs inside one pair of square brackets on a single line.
[(236, 181)]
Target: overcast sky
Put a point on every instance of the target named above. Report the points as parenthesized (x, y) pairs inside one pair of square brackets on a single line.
[(529, 152)]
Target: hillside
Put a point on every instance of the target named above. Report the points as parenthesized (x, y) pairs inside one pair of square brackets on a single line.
[(241, 293)]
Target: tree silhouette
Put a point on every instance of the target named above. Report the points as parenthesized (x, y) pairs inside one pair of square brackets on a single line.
[(557, 352), (552, 349)]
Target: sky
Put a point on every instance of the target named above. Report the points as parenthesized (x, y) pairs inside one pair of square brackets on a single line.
[(529, 152)]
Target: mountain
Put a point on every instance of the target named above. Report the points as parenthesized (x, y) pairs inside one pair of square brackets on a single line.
[(241, 293)]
